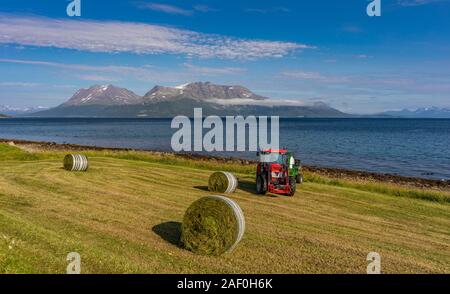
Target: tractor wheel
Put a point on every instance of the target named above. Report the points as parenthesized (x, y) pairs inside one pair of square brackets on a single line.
[(261, 185), (299, 178), (293, 185)]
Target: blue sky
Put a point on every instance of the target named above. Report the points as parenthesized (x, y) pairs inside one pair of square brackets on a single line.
[(310, 51)]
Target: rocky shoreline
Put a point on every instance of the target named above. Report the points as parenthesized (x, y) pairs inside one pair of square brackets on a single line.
[(337, 173)]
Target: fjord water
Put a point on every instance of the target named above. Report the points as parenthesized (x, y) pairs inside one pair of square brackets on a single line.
[(410, 147)]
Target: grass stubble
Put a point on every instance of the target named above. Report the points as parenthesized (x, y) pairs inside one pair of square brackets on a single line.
[(124, 216)]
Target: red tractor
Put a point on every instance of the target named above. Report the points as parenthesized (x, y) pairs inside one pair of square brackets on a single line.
[(278, 172)]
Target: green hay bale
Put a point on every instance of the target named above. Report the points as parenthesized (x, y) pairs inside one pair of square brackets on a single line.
[(75, 162), (222, 182), (212, 225)]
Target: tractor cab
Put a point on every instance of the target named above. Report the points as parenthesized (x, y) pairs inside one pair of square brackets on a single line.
[(277, 172)]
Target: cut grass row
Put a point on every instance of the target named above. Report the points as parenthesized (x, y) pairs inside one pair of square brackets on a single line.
[(13, 153)]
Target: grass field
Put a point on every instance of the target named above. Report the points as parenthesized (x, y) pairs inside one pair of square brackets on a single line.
[(124, 214)]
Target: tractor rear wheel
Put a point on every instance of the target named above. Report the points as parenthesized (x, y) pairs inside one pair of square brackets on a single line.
[(261, 185), (293, 186)]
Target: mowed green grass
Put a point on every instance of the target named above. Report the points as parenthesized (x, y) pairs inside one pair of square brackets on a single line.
[(123, 215)]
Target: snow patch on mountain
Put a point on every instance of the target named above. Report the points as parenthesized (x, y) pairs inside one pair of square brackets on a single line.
[(266, 102), (103, 95)]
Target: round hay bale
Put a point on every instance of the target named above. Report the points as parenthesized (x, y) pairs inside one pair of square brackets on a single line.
[(212, 225), (76, 162), (222, 182)]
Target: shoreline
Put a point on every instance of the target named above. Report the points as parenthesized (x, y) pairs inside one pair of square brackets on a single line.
[(338, 173)]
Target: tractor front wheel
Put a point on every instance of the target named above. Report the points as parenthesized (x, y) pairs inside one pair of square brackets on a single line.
[(293, 186), (261, 185), (299, 178)]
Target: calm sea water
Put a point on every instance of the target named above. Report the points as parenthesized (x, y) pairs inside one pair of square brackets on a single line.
[(411, 147)]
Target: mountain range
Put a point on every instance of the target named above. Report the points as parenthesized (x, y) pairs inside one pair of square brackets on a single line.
[(8, 110), (161, 101), (425, 112)]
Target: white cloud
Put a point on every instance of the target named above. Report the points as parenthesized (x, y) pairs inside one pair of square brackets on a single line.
[(417, 2), (166, 8), (204, 8), (362, 56), (303, 75), (172, 9), (104, 73), (268, 10), (18, 84), (266, 102), (139, 38), (214, 70), (314, 76), (98, 78), (81, 67)]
